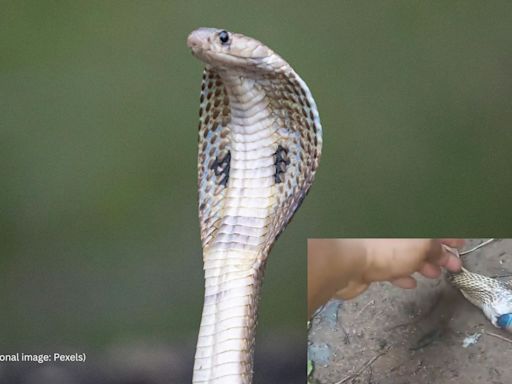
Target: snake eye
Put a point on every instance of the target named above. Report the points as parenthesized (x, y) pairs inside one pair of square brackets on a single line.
[(224, 37), (505, 321)]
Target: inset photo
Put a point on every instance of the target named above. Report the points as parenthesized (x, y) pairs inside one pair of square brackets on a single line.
[(402, 310)]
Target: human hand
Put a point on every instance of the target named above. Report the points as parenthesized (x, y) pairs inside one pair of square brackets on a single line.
[(395, 260), (344, 268)]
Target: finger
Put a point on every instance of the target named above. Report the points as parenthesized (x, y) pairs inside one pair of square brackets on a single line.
[(443, 255), (454, 243), (351, 291), (450, 261), (430, 270), (405, 282), (453, 263)]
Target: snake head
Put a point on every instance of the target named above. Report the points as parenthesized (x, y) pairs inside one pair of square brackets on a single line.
[(227, 50), (505, 322)]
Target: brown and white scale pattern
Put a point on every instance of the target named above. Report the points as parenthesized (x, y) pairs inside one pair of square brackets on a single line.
[(260, 140), (492, 296)]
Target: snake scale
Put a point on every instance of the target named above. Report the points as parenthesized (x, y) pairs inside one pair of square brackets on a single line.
[(492, 296), (260, 140)]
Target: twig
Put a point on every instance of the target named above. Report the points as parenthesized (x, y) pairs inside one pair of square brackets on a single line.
[(318, 310), (363, 367), (498, 336), (364, 307), (476, 247), (501, 276), (346, 338)]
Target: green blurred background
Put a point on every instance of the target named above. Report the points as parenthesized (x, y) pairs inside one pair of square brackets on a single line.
[(98, 103)]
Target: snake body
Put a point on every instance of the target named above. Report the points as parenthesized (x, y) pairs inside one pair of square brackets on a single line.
[(492, 296), (260, 140)]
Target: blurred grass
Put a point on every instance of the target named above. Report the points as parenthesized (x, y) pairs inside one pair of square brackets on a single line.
[(99, 236)]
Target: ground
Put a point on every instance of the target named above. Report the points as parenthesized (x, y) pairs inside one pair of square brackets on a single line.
[(389, 335)]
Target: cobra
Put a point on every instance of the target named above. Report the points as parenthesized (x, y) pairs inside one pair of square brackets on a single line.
[(260, 141), (492, 296)]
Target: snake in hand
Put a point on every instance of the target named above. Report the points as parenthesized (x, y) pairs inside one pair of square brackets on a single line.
[(260, 141)]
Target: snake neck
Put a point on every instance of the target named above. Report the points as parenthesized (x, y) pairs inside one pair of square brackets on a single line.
[(492, 296), (225, 343), (234, 258), (250, 196), (259, 146)]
